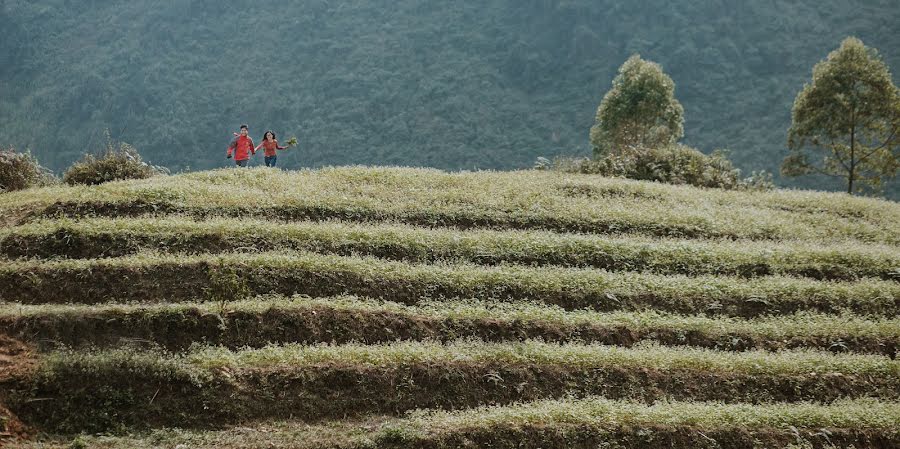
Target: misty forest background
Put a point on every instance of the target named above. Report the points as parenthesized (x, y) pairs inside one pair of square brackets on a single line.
[(446, 84)]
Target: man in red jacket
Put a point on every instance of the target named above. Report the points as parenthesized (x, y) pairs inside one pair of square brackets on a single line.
[(242, 148)]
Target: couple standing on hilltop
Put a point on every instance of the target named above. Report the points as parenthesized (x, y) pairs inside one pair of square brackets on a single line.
[(242, 147)]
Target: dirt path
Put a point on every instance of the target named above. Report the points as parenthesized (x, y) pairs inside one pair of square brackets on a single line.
[(16, 360), (15, 217)]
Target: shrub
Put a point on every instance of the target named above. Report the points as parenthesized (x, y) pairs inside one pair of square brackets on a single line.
[(21, 171), (758, 180), (679, 164), (118, 161), (673, 164)]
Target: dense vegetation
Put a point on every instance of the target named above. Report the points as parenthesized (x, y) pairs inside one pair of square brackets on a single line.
[(117, 162), (21, 170), (396, 307), (451, 85)]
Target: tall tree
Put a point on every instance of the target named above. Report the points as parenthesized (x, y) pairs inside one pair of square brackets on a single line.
[(640, 111), (849, 116)]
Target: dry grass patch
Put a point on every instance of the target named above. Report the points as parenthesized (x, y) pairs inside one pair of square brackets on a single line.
[(521, 200), (590, 422), (117, 389), (274, 319), (161, 277), (95, 238)]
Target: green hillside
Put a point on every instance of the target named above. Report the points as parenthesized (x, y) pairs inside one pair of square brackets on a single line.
[(365, 307), (451, 85)]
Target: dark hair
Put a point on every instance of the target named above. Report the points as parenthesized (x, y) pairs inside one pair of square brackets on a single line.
[(267, 133), (245, 127)]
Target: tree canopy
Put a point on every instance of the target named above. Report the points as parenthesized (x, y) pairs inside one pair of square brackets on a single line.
[(452, 85), (640, 111), (847, 120)]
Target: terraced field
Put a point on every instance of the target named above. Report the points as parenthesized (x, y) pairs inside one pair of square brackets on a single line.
[(386, 307)]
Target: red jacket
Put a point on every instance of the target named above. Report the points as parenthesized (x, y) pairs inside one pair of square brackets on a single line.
[(269, 146), (242, 147)]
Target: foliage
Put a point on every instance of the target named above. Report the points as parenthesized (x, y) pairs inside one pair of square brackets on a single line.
[(21, 171), (118, 161), (225, 284), (639, 112), (677, 165), (672, 164), (451, 85), (851, 112), (758, 181), (79, 443)]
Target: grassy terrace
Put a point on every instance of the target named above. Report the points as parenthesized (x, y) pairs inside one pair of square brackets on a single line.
[(96, 391), (258, 322), (165, 277), (94, 238), (319, 308), (521, 200), (590, 422)]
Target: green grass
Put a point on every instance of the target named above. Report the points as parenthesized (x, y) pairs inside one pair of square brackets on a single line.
[(859, 413), (582, 357), (264, 320), (770, 425), (90, 238), (121, 389), (161, 277), (522, 200), (597, 419)]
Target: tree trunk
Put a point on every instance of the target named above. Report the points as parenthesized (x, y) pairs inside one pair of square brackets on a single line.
[(852, 160)]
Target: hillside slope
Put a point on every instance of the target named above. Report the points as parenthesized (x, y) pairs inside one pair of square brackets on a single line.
[(451, 85), (363, 307)]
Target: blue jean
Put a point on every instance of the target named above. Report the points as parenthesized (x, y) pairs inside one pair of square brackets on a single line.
[(242, 163), (270, 161)]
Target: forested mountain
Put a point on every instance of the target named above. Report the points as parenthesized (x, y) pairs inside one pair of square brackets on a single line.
[(447, 84)]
